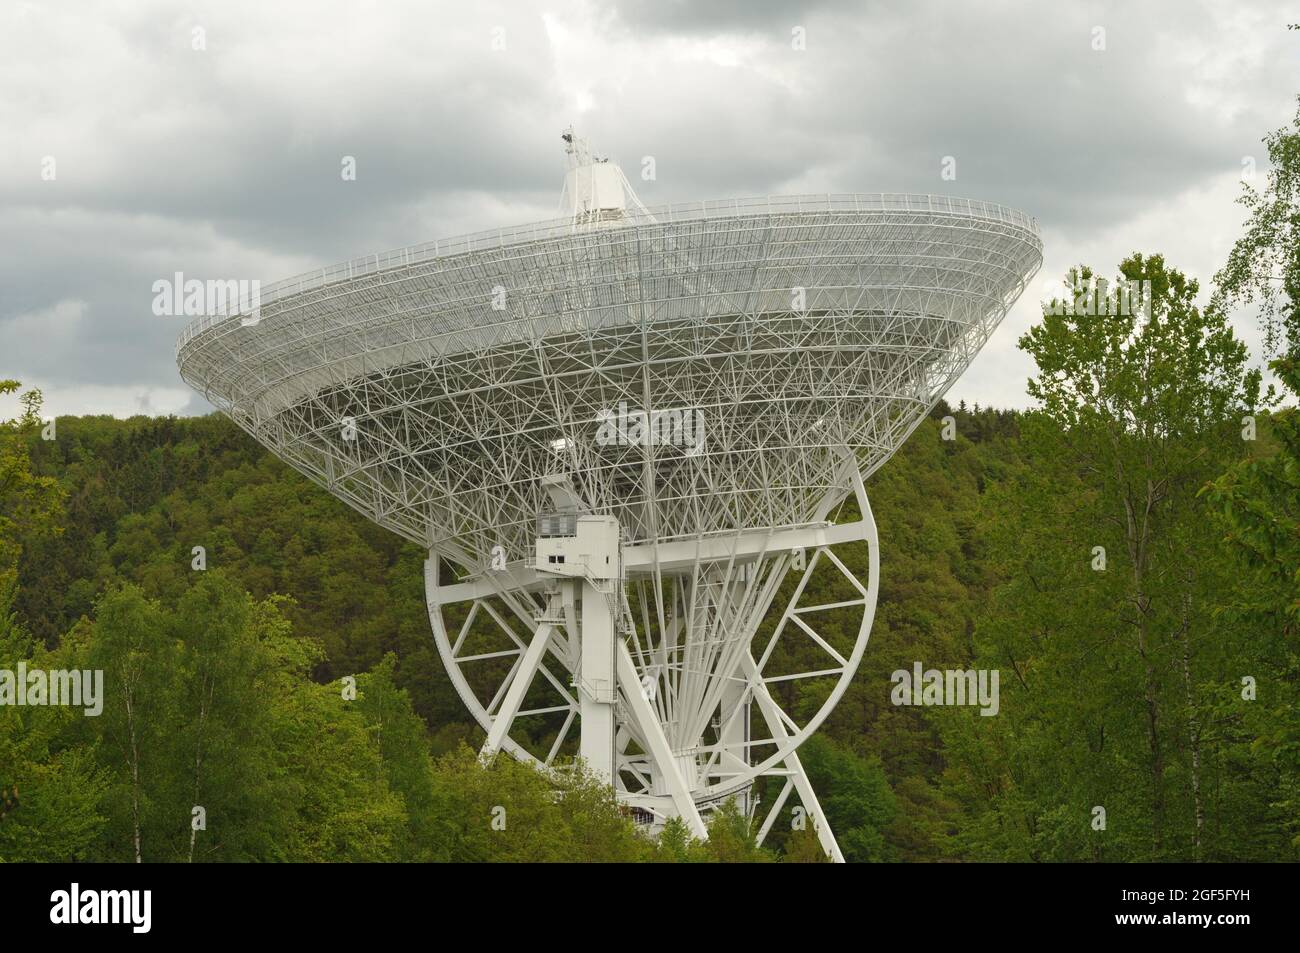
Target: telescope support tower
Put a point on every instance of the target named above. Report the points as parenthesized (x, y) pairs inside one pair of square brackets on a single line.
[(661, 655)]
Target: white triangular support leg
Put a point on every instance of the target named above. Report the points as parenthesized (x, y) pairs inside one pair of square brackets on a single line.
[(528, 665), (652, 731), (775, 719)]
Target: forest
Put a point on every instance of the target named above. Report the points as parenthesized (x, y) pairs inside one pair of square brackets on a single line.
[(1126, 555)]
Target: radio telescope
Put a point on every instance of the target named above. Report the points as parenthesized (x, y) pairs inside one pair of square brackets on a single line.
[(623, 436)]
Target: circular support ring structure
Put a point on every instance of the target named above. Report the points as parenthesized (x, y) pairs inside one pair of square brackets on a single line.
[(694, 660)]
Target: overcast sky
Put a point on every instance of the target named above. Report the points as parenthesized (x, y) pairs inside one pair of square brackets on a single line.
[(225, 161)]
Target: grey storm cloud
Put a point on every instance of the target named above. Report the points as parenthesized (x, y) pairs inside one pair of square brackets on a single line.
[(685, 16), (225, 161)]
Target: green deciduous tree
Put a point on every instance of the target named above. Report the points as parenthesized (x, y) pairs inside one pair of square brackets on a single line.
[(510, 812), (1256, 503), (1105, 626)]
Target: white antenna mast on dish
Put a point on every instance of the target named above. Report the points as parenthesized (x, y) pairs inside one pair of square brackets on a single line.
[(596, 193)]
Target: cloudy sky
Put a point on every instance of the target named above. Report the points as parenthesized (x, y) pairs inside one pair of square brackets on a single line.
[(224, 161)]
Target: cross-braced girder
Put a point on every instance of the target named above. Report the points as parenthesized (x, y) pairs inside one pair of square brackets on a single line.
[(714, 683)]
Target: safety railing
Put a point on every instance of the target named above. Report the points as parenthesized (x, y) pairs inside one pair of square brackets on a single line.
[(655, 215)]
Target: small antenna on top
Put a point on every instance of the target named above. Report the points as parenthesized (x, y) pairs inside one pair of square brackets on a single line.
[(596, 192)]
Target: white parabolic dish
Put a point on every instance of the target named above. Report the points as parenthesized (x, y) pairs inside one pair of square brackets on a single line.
[(797, 326)]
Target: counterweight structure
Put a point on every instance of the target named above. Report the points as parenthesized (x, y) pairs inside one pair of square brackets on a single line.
[(624, 437)]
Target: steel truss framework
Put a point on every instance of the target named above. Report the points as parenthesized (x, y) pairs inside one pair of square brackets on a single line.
[(692, 667), (433, 387)]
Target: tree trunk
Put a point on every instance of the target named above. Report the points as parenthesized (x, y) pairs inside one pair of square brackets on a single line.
[(1138, 542), (1193, 725), (135, 774), (204, 703), (1153, 738)]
